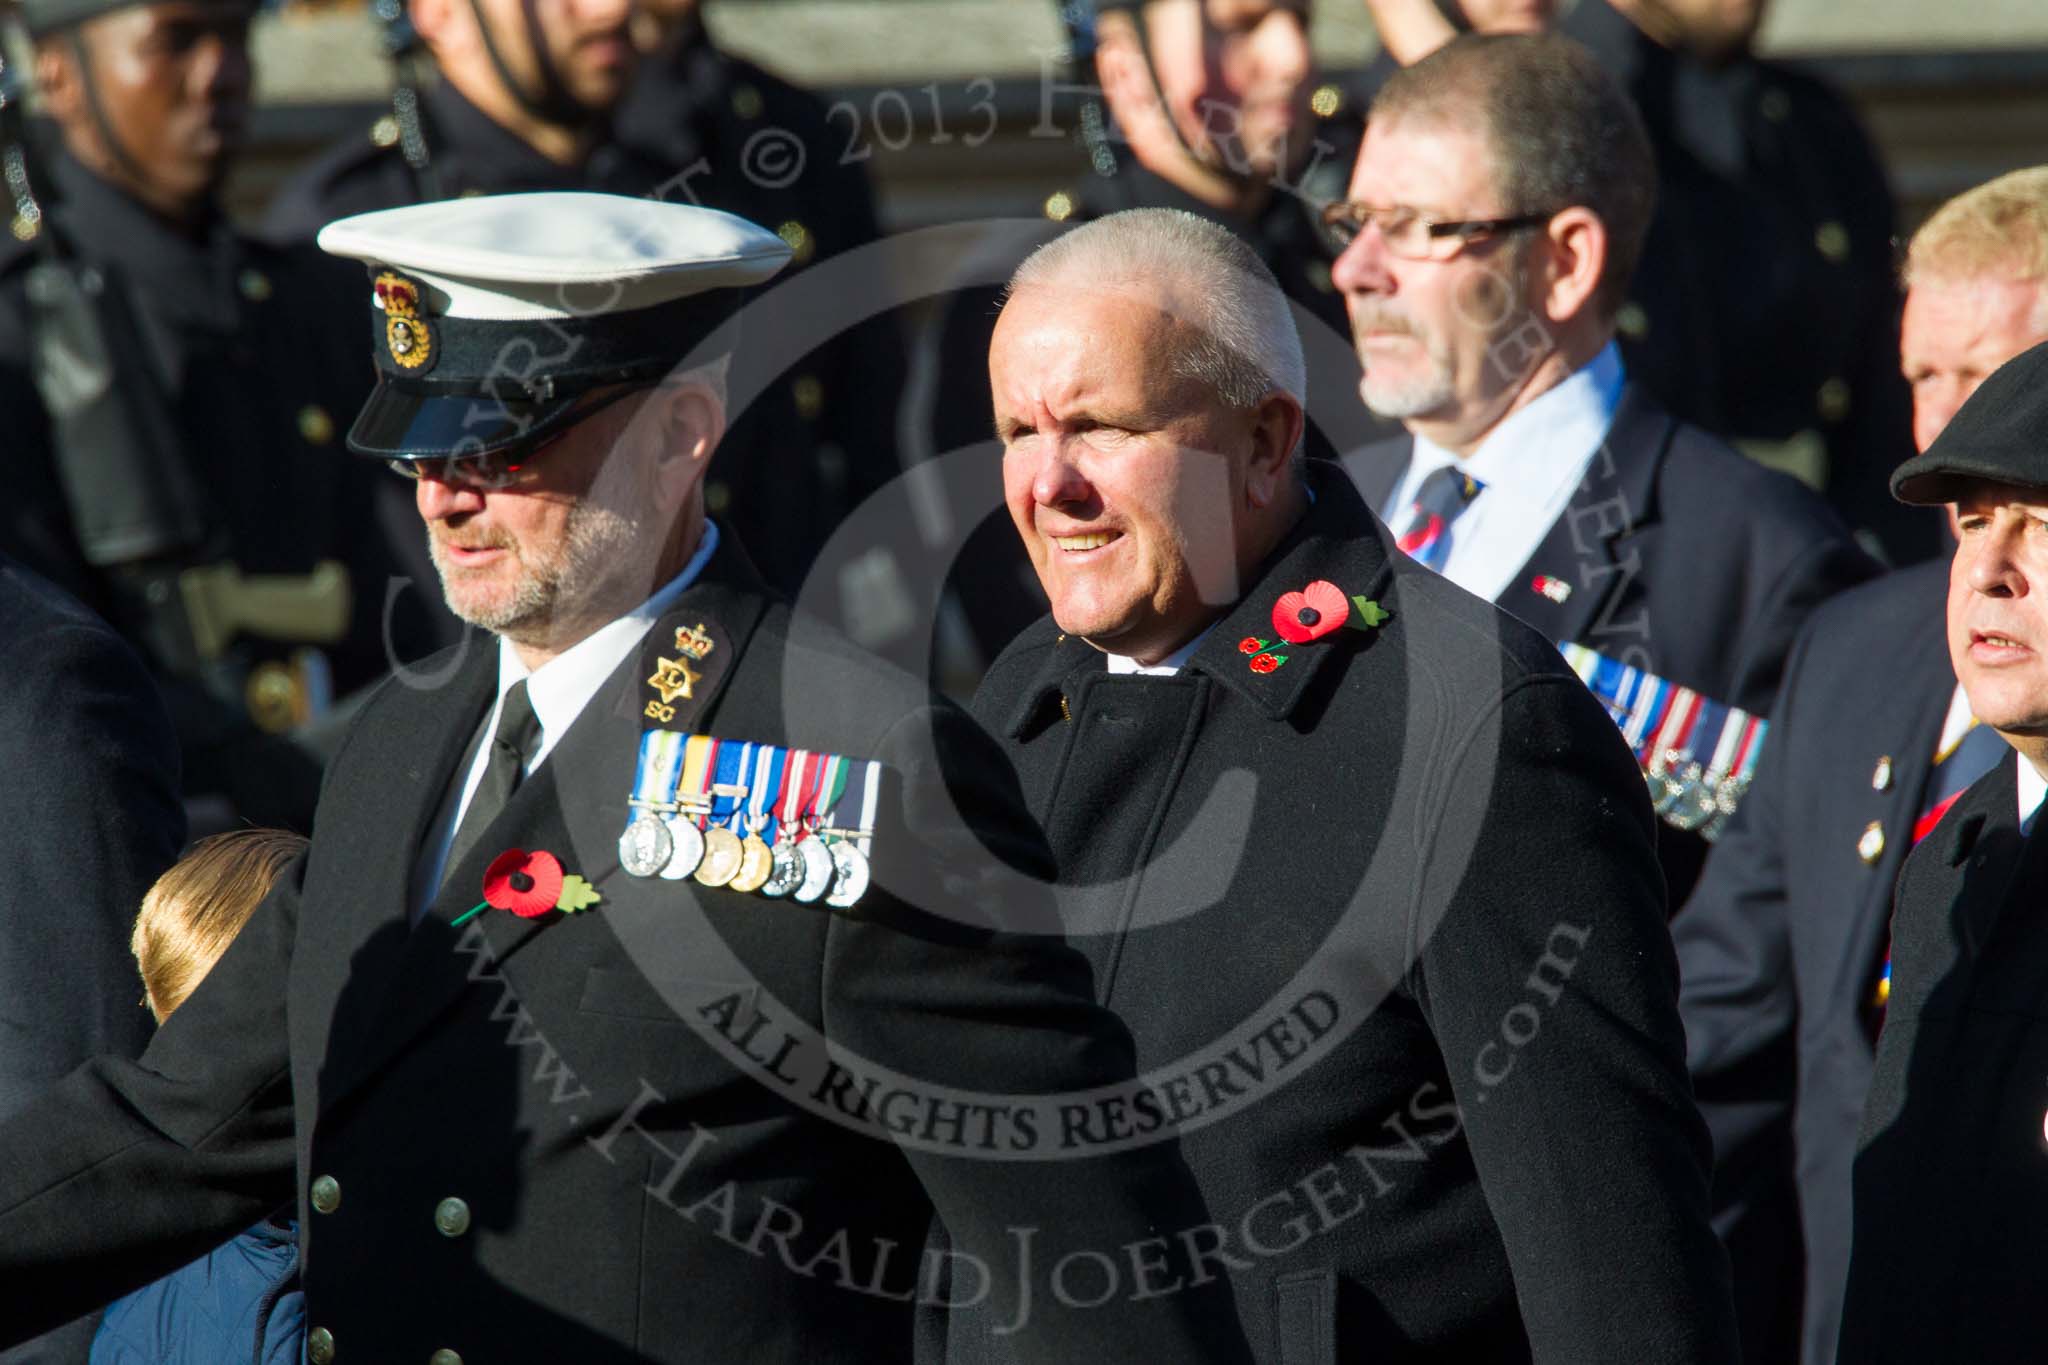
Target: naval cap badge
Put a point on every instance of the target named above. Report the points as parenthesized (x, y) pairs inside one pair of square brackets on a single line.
[(408, 336)]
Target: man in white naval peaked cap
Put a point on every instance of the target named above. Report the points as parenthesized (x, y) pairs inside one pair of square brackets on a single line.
[(660, 983)]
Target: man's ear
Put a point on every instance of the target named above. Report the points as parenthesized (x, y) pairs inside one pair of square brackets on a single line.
[(687, 422), (1277, 425), (1576, 246), (58, 82)]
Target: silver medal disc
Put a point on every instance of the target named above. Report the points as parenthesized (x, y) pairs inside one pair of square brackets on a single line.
[(687, 842), (850, 879), (645, 846), (787, 874), (818, 869)]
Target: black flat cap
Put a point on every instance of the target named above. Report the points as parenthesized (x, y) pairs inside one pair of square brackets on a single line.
[(1999, 435)]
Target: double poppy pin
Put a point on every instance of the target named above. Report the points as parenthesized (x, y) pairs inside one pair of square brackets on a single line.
[(529, 885), (1308, 614)]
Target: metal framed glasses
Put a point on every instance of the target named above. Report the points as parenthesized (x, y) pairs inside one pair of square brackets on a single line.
[(1413, 236)]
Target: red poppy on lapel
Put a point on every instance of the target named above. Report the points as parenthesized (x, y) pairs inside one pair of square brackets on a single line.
[(527, 884), (1311, 613)]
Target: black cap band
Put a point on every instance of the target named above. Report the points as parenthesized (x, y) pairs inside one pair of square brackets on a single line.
[(465, 386)]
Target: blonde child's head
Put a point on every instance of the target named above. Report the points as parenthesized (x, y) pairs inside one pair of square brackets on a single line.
[(195, 910)]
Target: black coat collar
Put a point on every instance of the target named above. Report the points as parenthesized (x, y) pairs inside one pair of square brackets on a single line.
[(1338, 540), (1984, 821)]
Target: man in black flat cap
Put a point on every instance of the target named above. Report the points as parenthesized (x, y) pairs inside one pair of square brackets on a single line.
[(1951, 1185), (169, 407)]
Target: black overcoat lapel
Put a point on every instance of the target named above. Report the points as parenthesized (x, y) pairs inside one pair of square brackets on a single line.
[(1980, 840)]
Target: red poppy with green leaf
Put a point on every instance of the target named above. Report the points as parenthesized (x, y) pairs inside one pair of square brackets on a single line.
[(531, 884)]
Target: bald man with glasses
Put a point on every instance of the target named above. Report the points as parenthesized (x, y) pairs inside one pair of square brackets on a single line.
[(1487, 246)]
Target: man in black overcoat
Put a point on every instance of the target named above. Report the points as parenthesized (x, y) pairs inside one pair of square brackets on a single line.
[(91, 802), (1215, 107), (1493, 241), (1784, 947), (576, 1035), (1363, 867), (1951, 1188)]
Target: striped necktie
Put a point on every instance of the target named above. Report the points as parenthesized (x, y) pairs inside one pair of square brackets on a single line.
[(1426, 534), (1966, 751), (1957, 763)]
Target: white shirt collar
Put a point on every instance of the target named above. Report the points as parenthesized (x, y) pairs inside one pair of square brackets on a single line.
[(560, 688), (1166, 667), (2033, 788), (1543, 447), (1530, 466)]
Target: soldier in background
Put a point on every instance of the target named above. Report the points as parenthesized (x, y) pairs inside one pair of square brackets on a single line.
[(1765, 309), (556, 95), (171, 414)]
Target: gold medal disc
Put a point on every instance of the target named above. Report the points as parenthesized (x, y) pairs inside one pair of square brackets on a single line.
[(756, 862), (722, 857)]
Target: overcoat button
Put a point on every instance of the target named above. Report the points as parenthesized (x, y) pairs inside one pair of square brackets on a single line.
[(319, 1346), (326, 1194), (451, 1217)]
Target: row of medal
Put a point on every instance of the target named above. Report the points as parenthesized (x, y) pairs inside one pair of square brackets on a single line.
[(1697, 755), (752, 817)]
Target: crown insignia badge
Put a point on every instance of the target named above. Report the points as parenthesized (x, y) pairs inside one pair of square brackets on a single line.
[(692, 640), (407, 335)]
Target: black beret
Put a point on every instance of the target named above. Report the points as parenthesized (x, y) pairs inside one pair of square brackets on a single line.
[(1999, 435)]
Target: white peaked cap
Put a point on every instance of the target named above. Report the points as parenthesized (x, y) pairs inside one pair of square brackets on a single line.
[(517, 256)]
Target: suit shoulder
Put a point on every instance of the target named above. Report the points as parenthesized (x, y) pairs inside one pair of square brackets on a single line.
[(1871, 619), (1701, 472), (828, 682)]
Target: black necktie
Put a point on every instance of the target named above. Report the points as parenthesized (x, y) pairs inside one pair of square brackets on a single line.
[(517, 737)]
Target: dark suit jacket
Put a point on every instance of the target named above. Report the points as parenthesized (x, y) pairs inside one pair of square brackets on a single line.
[(1387, 926), (1683, 557), (92, 813), (634, 1189), (1951, 1182), (1779, 947)]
